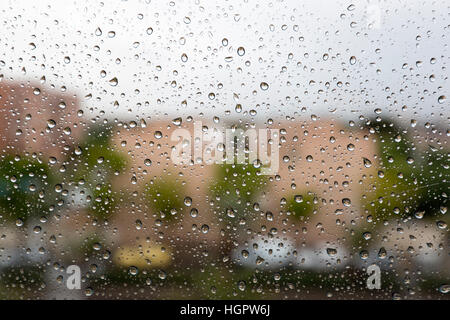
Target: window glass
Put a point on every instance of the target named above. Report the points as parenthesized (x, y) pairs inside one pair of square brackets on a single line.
[(224, 150)]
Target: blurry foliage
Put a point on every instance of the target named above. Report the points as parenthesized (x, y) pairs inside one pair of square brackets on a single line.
[(97, 153), (389, 196), (225, 282), (301, 206), (435, 184), (165, 197), (87, 247), (25, 188), (407, 180), (104, 201), (95, 162), (236, 185), (19, 282), (393, 141)]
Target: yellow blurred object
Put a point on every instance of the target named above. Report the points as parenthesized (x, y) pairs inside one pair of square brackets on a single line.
[(143, 256)]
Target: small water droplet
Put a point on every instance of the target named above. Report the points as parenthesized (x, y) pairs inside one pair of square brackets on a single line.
[(113, 82), (367, 163), (331, 252)]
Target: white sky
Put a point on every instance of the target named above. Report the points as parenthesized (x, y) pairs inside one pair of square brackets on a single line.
[(293, 35)]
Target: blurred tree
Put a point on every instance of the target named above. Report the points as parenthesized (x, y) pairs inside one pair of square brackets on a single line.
[(408, 180), (94, 165), (393, 191), (434, 182), (235, 191), (236, 187), (25, 188), (165, 197), (301, 206)]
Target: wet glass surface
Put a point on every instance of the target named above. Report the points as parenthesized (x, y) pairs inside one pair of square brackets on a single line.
[(224, 150)]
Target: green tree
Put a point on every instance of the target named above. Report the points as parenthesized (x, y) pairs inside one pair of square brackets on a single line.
[(25, 188), (301, 206), (393, 191), (236, 187), (434, 181), (165, 197), (95, 163), (234, 191)]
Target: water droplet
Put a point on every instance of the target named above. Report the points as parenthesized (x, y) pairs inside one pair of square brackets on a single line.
[(177, 121), (89, 292), (445, 288), (113, 82), (364, 255), (158, 134), (188, 201), (331, 251), (194, 213), (240, 51), (419, 214), (162, 275), (133, 270), (382, 253), (205, 228), (346, 202), (441, 225), (367, 163), (19, 222), (230, 213), (138, 224), (367, 235)]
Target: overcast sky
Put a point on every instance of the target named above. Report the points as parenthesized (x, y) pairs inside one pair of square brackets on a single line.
[(301, 49)]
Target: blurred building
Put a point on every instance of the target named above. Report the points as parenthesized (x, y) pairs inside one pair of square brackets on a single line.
[(323, 158), (36, 119)]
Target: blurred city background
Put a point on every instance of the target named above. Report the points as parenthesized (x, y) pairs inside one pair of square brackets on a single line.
[(87, 179)]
